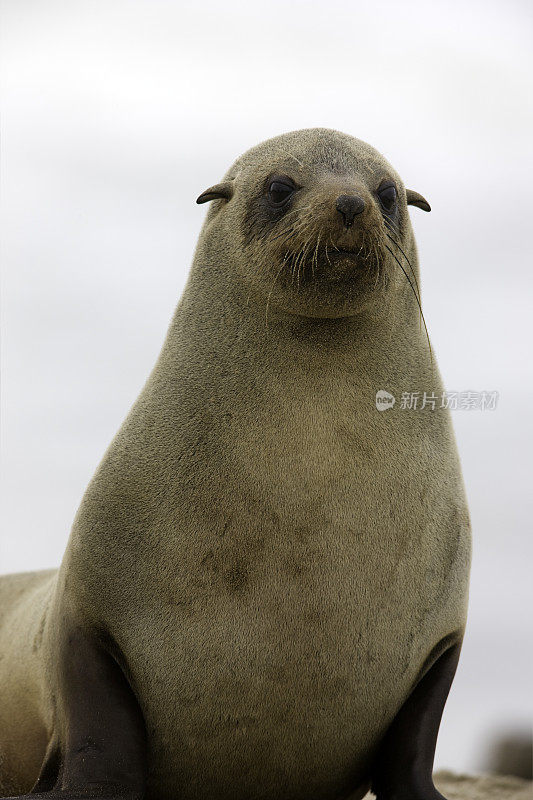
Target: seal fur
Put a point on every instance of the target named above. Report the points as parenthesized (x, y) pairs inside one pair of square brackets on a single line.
[(264, 569)]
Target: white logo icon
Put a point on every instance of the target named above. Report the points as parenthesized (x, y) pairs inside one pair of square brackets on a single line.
[(384, 400)]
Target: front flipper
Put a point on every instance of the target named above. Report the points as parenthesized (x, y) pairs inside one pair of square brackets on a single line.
[(404, 765), (100, 750)]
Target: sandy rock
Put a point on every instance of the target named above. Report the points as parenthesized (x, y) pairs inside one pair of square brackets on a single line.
[(483, 787), (480, 787)]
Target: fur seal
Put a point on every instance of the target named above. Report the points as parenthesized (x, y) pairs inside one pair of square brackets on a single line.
[(264, 592)]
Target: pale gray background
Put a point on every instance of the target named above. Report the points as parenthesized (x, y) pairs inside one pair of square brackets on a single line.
[(115, 115)]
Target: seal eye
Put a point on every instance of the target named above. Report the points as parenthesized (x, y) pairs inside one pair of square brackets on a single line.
[(279, 192), (387, 196)]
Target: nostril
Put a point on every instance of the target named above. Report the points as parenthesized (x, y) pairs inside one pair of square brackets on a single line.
[(349, 206)]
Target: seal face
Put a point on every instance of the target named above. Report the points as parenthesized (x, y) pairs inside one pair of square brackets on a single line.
[(316, 212)]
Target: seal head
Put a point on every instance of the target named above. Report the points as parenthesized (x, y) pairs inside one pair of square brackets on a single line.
[(315, 211)]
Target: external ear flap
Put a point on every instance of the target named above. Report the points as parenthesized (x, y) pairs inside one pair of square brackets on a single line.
[(221, 190), (415, 199)]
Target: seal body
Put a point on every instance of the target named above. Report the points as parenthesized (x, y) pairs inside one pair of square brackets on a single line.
[(273, 563)]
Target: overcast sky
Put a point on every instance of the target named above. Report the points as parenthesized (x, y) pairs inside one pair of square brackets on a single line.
[(116, 115)]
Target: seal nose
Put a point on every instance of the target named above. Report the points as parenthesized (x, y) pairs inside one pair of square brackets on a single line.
[(349, 206)]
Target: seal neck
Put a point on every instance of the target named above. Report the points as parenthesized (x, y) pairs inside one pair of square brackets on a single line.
[(221, 320)]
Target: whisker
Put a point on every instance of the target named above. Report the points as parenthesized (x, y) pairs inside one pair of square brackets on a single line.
[(290, 229), (406, 258), (416, 297), (314, 262)]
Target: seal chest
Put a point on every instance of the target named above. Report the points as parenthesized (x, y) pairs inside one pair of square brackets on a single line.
[(283, 599)]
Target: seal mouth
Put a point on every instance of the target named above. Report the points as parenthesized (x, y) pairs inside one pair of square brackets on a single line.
[(328, 260), (328, 254), (343, 252), (353, 266)]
